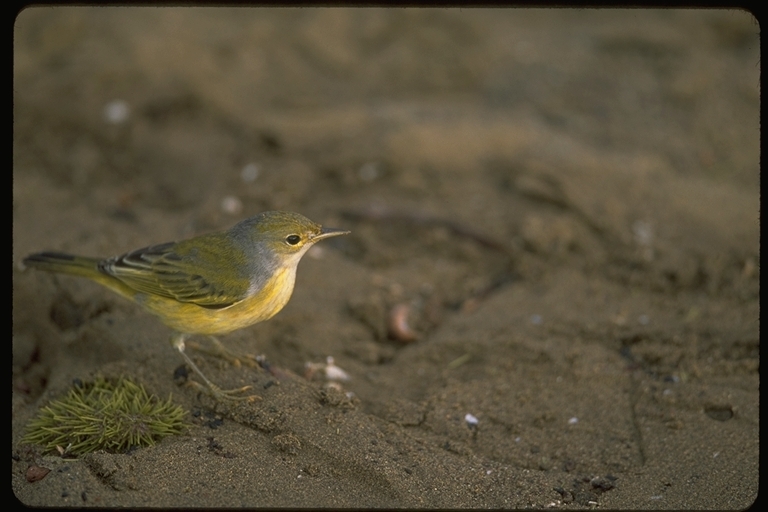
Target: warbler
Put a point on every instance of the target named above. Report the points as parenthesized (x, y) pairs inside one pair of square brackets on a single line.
[(211, 284)]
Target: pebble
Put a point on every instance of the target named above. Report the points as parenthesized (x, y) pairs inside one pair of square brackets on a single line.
[(36, 473)]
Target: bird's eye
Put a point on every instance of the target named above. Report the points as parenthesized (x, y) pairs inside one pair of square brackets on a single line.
[(292, 239)]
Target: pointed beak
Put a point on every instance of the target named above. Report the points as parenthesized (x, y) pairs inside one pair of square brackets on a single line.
[(328, 233)]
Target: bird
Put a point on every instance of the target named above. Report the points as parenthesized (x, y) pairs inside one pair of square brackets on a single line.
[(211, 284)]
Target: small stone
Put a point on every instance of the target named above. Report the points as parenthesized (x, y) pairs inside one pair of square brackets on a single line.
[(116, 112), (232, 205), (36, 473)]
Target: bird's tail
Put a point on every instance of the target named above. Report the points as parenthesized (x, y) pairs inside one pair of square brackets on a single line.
[(64, 264)]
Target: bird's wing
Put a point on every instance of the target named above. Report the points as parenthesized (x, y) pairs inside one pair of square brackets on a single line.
[(205, 275)]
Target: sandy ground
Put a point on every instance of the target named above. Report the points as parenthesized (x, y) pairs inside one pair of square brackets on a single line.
[(560, 206)]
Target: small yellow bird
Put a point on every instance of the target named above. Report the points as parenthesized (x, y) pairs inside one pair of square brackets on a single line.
[(210, 284)]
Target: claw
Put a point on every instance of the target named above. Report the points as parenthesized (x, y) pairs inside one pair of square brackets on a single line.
[(220, 394), (224, 395), (219, 350)]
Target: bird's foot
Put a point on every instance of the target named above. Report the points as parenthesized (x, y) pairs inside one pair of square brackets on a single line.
[(234, 358), (224, 395), (210, 388)]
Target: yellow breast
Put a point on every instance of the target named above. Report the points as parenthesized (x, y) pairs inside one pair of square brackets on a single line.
[(192, 319)]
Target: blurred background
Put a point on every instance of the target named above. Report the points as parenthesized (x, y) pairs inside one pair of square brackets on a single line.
[(405, 91)]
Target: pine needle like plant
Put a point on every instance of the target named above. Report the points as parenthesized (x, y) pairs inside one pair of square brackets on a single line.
[(104, 415)]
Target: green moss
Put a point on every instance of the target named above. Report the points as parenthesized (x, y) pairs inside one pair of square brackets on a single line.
[(104, 415)]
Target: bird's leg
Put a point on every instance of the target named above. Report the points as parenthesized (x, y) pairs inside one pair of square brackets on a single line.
[(177, 340), (219, 350)]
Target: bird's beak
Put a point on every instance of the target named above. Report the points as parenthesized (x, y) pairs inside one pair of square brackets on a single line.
[(328, 233)]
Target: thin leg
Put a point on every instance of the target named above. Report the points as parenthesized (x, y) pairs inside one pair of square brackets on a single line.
[(177, 340), (219, 350)]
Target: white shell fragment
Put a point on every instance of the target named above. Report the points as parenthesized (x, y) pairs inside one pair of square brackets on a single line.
[(116, 112), (232, 205), (328, 369), (333, 372)]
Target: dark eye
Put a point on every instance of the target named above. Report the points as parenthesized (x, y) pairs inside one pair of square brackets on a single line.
[(292, 239)]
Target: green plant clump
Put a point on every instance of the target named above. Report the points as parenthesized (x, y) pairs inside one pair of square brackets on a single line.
[(104, 415)]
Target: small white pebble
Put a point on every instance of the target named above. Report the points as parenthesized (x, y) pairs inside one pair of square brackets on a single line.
[(573, 421), (536, 319), (116, 112), (333, 372), (250, 172), (471, 420), (231, 205)]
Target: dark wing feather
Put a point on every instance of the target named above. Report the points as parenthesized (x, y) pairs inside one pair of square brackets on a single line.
[(183, 271)]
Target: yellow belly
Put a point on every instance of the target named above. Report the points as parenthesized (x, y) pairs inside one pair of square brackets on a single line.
[(192, 319)]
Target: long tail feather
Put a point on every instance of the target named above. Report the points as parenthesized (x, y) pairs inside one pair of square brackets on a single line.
[(63, 264)]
